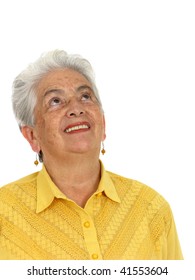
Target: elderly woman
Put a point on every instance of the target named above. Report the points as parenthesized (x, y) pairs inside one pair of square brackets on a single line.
[(73, 208)]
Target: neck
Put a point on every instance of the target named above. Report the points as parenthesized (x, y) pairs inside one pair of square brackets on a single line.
[(77, 176)]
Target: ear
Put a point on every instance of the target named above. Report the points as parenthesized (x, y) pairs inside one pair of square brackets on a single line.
[(30, 135), (104, 129)]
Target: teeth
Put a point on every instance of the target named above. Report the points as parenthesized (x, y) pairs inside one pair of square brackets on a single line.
[(76, 128)]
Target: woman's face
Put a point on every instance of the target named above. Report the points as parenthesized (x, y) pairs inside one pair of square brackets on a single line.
[(68, 117)]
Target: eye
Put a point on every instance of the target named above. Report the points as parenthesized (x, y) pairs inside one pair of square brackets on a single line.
[(55, 101), (85, 96)]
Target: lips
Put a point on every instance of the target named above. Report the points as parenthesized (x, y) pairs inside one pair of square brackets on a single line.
[(81, 126)]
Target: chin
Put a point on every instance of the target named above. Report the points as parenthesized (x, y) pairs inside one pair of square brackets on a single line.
[(83, 149)]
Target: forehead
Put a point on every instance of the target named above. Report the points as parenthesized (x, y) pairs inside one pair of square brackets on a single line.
[(61, 78)]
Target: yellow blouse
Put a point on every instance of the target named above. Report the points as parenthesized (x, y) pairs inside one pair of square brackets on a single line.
[(123, 220)]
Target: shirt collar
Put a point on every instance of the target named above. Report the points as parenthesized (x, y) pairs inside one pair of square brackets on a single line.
[(106, 185), (47, 190)]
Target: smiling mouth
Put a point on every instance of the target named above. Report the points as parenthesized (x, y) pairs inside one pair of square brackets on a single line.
[(77, 128)]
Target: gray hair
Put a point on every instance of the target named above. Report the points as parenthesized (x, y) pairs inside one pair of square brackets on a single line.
[(24, 86)]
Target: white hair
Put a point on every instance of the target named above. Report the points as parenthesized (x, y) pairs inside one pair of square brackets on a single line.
[(24, 86)]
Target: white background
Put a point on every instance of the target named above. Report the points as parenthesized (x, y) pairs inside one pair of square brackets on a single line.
[(143, 54)]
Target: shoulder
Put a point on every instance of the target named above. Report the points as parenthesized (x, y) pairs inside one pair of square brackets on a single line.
[(22, 183), (128, 183), (128, 188), (143, 200)]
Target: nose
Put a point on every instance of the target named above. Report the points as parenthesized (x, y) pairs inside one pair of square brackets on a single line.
[(75, 114), (75, 110)]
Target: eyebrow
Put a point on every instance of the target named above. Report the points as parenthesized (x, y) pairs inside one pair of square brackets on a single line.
[(84, 87), (54, 90), (60, 91)]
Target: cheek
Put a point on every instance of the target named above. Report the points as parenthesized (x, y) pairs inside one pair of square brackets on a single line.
[(99, 121), (97, 115), (47, 128)]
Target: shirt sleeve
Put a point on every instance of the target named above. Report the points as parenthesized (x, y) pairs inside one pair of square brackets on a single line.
[(171, 247)]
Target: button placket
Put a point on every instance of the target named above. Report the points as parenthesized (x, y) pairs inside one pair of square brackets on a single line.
[(90, 237)]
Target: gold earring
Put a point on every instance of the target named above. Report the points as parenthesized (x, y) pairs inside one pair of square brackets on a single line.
[(103, 150), (36, 162)]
